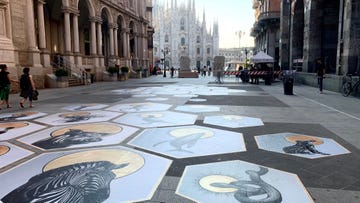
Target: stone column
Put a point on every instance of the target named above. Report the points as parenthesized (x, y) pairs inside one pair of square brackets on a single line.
[(45, 54), (312, 37), (284, 35), (111, 32), (116, 42), (116, 47), (31, 26), (67, 32), (41, 24), (34, 54), (78, 59), (99, 44), (93, 37), (125, 42)]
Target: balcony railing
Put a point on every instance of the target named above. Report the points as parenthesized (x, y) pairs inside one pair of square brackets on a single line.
[(269, 15)]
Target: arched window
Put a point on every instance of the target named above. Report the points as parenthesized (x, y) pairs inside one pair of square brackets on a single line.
[(182, 41), (166, 38), (198, 39), (208, 50), (182, 24)]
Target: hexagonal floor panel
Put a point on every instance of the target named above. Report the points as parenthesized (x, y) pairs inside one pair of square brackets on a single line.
[(19, 116), (189, 141), (233, 121), (77, 117), (157, 99), (10, 153), (85, 107), (115, 174), (157, 119), (10, 130), (183, 90), (305, 146), (197, 108), (139, 107), (81, 135), (239, 181)]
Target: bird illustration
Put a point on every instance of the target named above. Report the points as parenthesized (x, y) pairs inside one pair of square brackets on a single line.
[(87, 182), (179, 142)]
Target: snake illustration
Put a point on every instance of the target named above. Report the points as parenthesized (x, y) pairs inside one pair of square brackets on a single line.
[(246, 189)]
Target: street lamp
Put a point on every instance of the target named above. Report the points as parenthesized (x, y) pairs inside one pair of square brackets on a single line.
[(246, 53), (165, 52)]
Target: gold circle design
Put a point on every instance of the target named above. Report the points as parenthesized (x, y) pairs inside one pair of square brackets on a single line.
[(233, 117), (14, 124), (294, 138), (79, 113), (206, 182), (147, 115), (115, 156), (4, 149), (94, 127), (182, 132), (27, 113)]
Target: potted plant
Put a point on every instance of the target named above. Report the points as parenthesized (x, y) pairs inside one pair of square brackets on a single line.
[(113, 70), (124, 73), (145, 73), (112, 75), (61, 74), (138, 72)]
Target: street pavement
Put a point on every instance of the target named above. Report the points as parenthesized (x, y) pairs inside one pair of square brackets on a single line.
[(185, 140)]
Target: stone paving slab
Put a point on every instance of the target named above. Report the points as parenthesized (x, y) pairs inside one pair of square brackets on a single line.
[(232, 100)]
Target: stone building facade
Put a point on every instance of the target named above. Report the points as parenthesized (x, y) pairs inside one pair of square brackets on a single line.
[(266, 29), (311, 29), (89, 34), (178, 32)]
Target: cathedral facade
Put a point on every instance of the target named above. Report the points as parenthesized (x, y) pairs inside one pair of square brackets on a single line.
[(179, 32)]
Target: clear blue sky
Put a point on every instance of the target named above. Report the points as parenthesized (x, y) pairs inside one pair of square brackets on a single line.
[(232, 15)]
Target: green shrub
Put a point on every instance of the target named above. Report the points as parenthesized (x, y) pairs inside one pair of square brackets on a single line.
[(124, 69), (113, 70), (139, 69), (61, 72)]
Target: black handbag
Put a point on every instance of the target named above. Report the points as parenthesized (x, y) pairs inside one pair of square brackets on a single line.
[(35, 95)]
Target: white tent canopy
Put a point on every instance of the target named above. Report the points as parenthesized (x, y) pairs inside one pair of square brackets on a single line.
[(261, 57)]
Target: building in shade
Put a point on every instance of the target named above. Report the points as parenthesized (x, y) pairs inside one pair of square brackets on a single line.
[(304, 30), (179, 32), (266, 29), (87, 35)]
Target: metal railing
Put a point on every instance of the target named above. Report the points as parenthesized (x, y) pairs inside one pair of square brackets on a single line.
[(269, 15), (59, 62)]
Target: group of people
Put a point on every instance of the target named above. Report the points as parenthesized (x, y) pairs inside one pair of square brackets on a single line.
[(27, 87)]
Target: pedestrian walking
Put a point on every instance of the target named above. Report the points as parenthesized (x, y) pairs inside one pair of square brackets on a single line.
[(5, 83), (172, 71), (204, 70), (27, 87), (320, 73)]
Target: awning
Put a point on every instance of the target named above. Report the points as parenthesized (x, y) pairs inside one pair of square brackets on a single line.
[(261, 57)]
